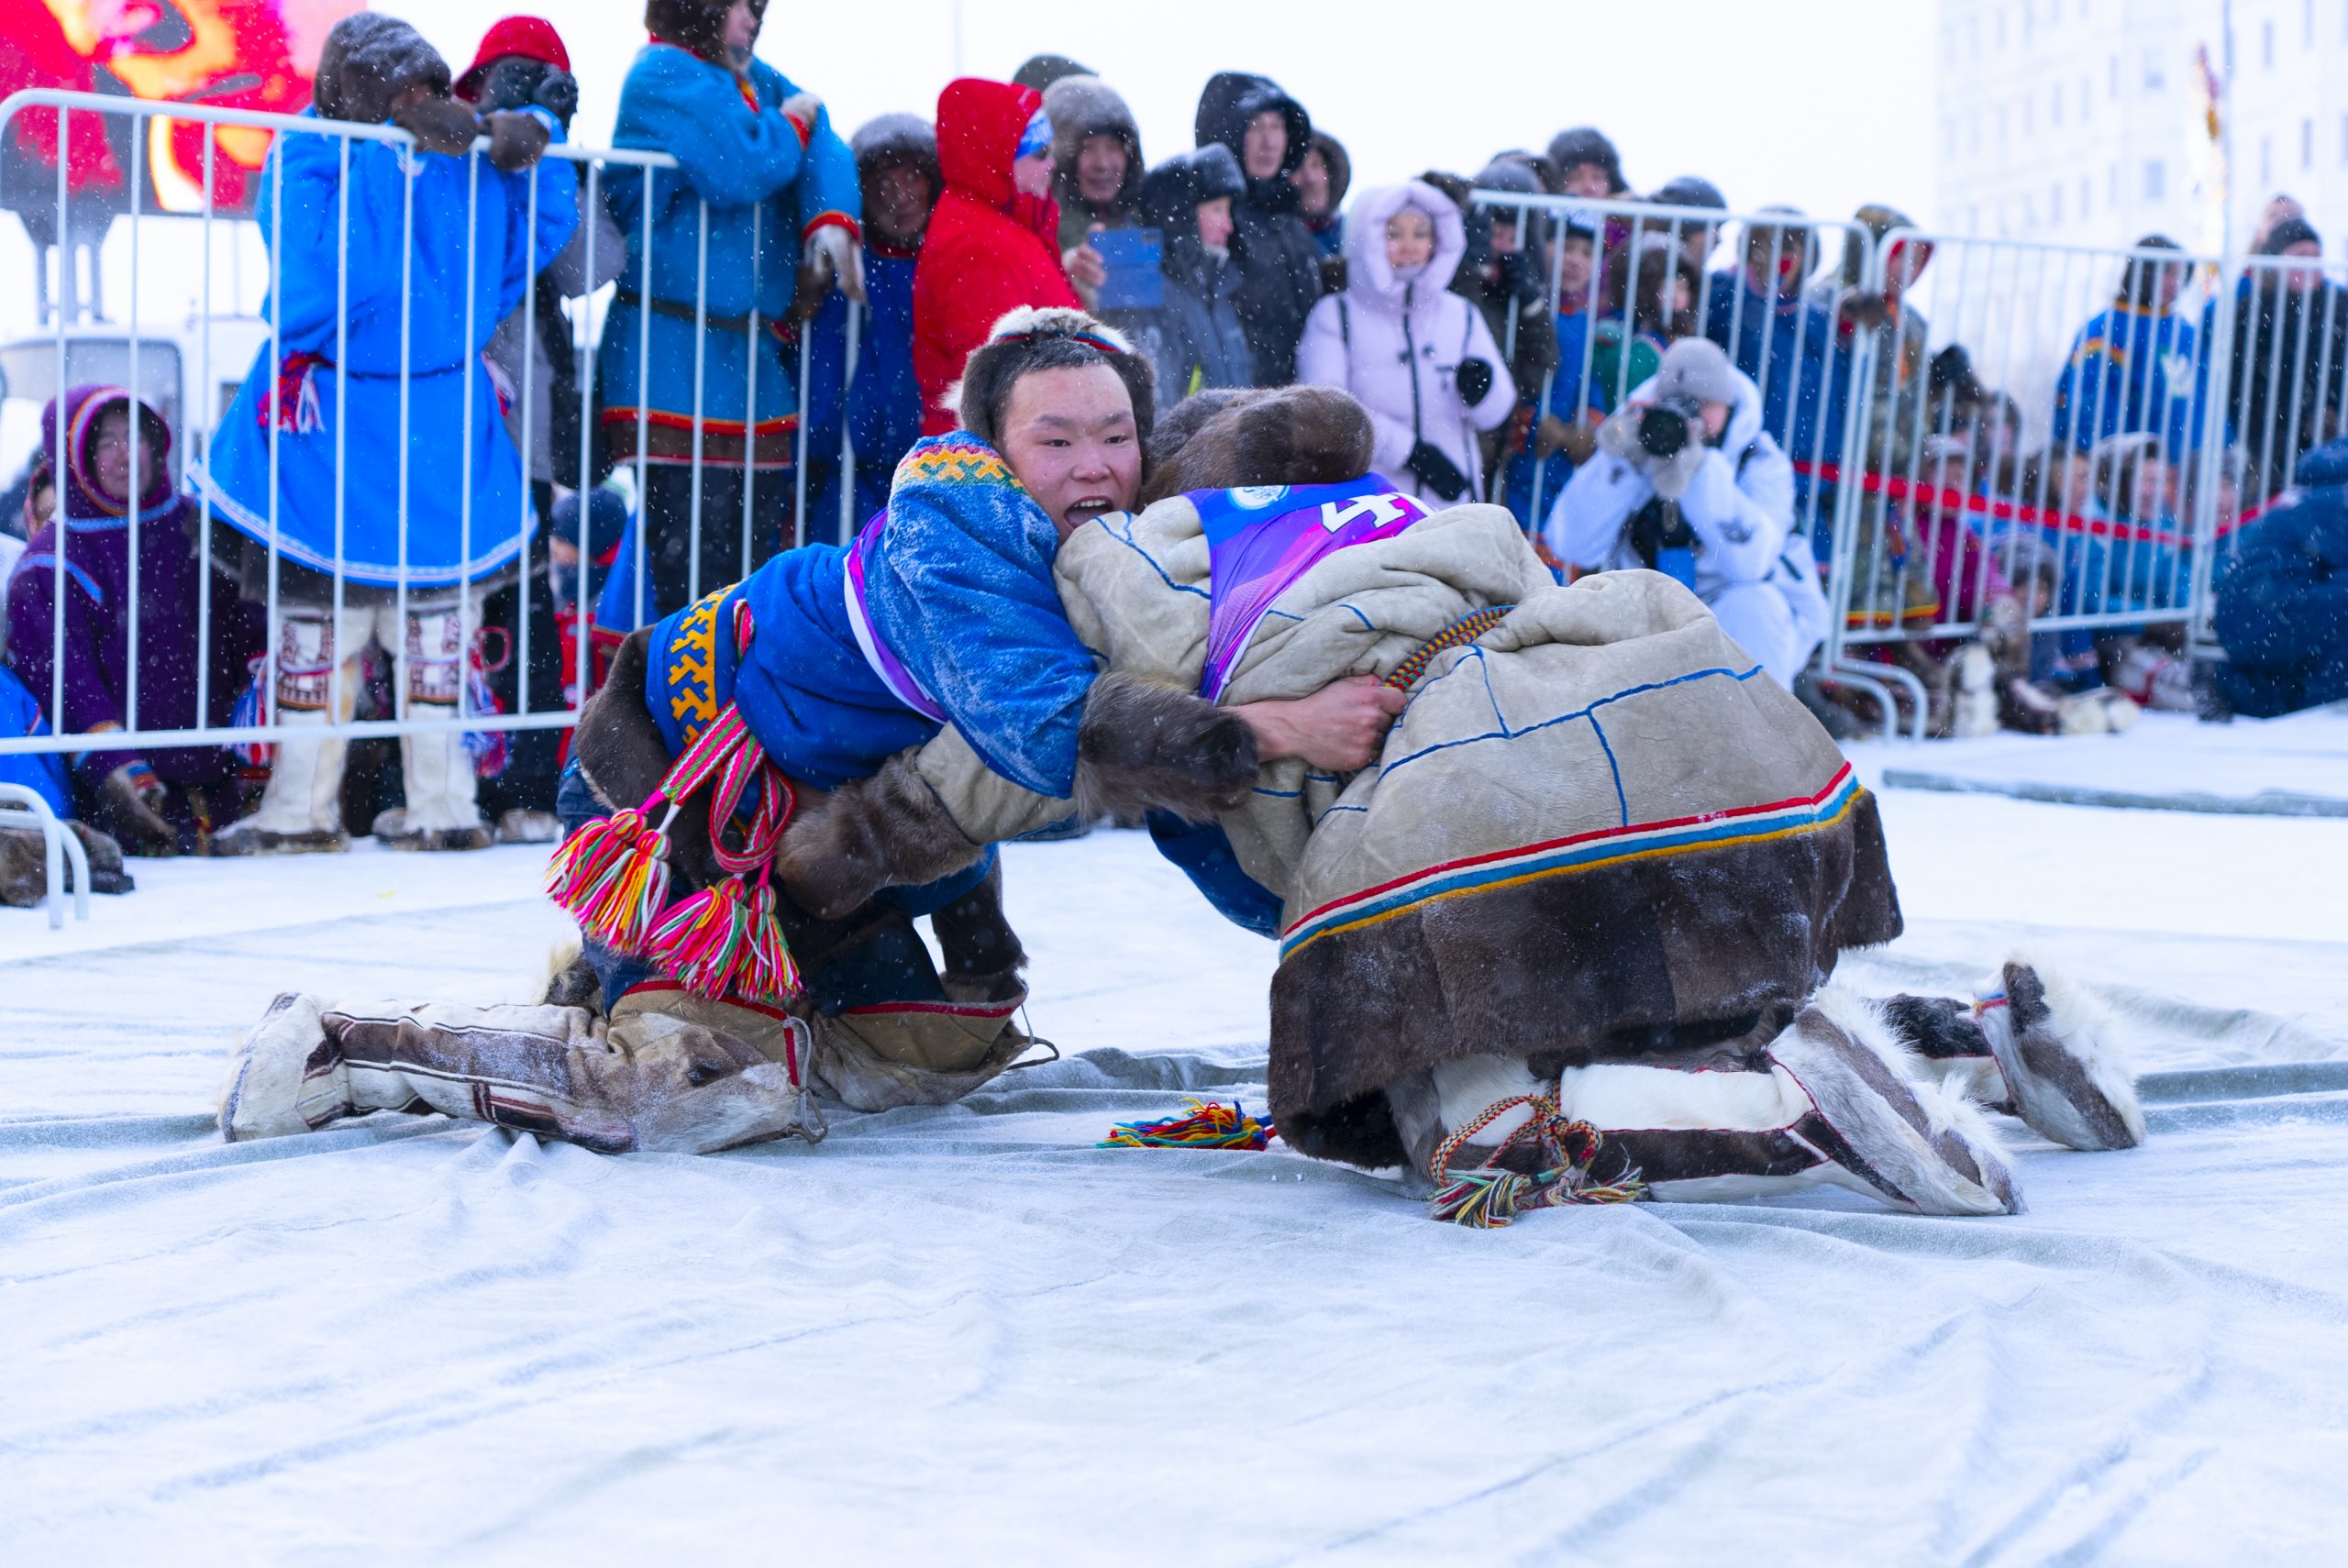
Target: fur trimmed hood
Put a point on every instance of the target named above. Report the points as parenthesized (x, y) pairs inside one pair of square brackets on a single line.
[(1082, 107), (896, 138), (368, 61), (1370, 279)]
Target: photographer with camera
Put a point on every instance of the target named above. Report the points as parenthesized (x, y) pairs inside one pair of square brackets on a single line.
[(1686, 482)]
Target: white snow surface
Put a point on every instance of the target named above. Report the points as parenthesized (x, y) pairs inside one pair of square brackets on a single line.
[(969, 1335)]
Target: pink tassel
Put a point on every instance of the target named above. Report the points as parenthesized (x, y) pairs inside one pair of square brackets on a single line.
[(723, 942), (613, 875)]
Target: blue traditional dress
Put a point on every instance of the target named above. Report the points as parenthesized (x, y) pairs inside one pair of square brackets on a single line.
[(340, 493)]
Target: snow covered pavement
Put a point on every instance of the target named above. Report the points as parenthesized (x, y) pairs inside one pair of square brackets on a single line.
[(969, 1335)]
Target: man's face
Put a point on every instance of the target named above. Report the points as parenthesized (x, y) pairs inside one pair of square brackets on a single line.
[(1775, 260), (1312, 183), (1214, 223), (897, 204), (1069, 436), (1100, 169), (1264, 147), (1573, 264), (1589, 180), (741, 27)]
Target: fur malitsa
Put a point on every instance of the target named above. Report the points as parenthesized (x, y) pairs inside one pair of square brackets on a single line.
[(1139, 747), (368, 61), (1046, 337), (1230, 437)]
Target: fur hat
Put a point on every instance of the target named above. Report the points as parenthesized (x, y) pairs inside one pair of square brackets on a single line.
[(1171, 195), (1042, 70), (1082, 107), (1688, 190), (1507, 175), (2289, 232), (695, 24), (1046, 337), (896, 138), (1587, 144), (368, 61), (1229, 436), (1696, 368)]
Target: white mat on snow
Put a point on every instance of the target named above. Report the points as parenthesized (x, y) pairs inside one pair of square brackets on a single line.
[(967, 1334)]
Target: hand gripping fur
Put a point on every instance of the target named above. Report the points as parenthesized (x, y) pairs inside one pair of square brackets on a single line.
[(1140, 747)]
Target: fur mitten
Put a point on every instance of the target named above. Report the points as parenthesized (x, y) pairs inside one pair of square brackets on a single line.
[(441, 124), (517, 140)]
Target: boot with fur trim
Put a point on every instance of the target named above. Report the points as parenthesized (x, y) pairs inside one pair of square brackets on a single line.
[(2059, 1054), (2035, 1046), (1832, 1100), (286, 1076), (1915, 1142), (667, 1072)]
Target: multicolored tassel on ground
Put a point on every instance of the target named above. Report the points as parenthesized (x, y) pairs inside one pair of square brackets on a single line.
[(1208, 1125)]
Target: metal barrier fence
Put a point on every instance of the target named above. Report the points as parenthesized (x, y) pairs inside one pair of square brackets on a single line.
[(622, 291), (2121, 411)]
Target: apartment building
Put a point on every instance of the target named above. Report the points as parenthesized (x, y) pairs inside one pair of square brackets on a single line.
[(2085, 120)]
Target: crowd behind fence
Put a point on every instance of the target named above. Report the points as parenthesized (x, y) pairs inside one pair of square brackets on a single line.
[(1974, 423)]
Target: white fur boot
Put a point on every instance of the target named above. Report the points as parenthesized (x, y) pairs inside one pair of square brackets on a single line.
[(442, 810), (2057, 1051)]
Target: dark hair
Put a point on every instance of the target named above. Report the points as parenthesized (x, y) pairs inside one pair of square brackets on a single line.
[(1027, 340), (2140, 285), (1660, 261)]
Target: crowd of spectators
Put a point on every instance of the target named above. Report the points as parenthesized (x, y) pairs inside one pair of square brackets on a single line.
[(1635, 393)]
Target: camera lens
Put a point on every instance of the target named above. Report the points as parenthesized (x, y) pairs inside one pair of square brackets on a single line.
[(1662, 432)]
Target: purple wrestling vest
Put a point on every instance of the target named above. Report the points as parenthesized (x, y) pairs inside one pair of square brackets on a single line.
[(1262, 538)]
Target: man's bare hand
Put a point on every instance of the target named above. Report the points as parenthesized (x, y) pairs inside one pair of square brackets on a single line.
[(1339, 727)]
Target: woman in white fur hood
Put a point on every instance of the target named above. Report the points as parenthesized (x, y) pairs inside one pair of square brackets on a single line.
[(1418, 357)]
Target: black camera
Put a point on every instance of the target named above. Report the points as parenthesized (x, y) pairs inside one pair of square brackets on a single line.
[(1663, 428)]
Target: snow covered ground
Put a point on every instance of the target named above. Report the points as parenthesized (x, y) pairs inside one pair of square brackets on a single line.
[(968, 1335)]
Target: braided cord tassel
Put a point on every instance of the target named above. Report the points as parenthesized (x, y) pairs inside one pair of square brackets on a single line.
[(613, 875), (1488, 1197)]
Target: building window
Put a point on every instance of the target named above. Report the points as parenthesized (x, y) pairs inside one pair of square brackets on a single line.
[(2343, 138), (2153, 78), (2266, 46), (2307, 145), (2155, 180), (2307, 23), (2029, 125)]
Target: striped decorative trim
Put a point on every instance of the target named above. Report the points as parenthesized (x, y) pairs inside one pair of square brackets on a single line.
[(955, 462), (1581, 852)]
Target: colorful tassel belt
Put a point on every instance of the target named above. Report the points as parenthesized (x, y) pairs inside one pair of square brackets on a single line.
[(612, 874)]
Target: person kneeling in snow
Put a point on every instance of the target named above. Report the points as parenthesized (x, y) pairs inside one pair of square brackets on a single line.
[(1599, 874), (942, 617)]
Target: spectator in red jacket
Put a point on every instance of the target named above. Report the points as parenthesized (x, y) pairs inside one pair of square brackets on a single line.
[(993, 244)]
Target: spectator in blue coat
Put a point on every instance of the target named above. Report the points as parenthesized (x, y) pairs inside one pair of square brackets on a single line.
[(763, 187), (2131, 368), (2283, 603), (1758, 311), (896, 163), (367, 442)]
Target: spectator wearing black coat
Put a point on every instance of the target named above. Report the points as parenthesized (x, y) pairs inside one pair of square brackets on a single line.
[(1195, 340), (1279, 262)]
